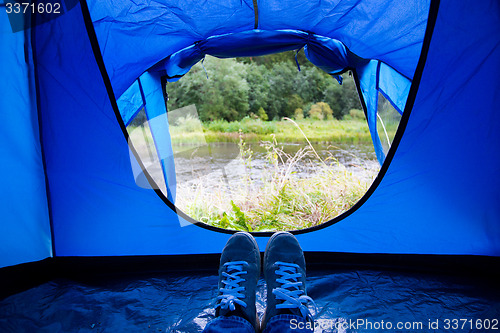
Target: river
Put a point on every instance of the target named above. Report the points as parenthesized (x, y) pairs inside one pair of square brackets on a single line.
[(222, 161)]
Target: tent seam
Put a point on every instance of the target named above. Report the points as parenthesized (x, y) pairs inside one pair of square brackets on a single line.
[(40, 133)]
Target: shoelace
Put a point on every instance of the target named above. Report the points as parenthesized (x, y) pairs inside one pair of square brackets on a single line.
[(231, 289), (290, 293)]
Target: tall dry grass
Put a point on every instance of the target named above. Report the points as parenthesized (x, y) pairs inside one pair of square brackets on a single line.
[(282, 199)]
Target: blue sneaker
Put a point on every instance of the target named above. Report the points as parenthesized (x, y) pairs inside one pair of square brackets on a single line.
[(239, 272), (285, 275)]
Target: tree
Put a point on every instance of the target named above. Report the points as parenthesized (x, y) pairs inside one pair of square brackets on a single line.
[(238, 88), (310, 84), (224, 95), (281, 80), (333, 96), (258, 83), (342, 98), (293, 103), (270, 60)]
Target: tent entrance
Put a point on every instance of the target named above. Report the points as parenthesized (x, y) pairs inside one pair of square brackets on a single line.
[(257, 144)]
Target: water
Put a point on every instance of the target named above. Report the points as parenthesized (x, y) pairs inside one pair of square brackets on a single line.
[(217, 161), (221, 168), (210, 178)]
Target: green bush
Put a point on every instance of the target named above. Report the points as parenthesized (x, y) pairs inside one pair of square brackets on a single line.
[(320, 111), (298, 114), (357, 114), (246, 125), (187, 124), (261, 113)]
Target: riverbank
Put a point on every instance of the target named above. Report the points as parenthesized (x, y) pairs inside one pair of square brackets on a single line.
[(259, 175), (279, 195), (188, 131)]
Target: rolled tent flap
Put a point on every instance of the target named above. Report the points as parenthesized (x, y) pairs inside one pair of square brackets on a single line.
[(393, 85), (328, 54), (367, 84), (375, 77), (146, 93), (158, 123), (131, 103)]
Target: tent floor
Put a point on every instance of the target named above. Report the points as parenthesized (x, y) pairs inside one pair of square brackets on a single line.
[(183, 302)]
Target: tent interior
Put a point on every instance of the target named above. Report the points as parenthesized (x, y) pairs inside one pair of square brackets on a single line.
[(183, 301), (89, 241)]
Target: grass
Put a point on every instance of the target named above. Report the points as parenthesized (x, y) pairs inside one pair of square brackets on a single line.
[(281, 200), (256, 130)]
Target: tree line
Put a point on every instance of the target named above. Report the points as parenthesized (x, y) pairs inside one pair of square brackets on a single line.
[(268, 87)]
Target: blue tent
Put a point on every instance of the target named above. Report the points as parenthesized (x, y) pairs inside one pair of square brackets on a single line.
[(71, 82)]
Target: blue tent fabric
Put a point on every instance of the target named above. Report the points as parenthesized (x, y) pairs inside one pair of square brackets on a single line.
[(394, 86), (424, 200), (137, 31), (146, 93), (184, 302), (376, 77), (326, 53), (158, 123), (131, 102), (24, 220), (368, 76), (73, 187), (437, 193), (90, 174), (392, 33)]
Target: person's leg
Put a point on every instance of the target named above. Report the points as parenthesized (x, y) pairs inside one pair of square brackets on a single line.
[(231, 324), (239, 272), (285, 275)]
